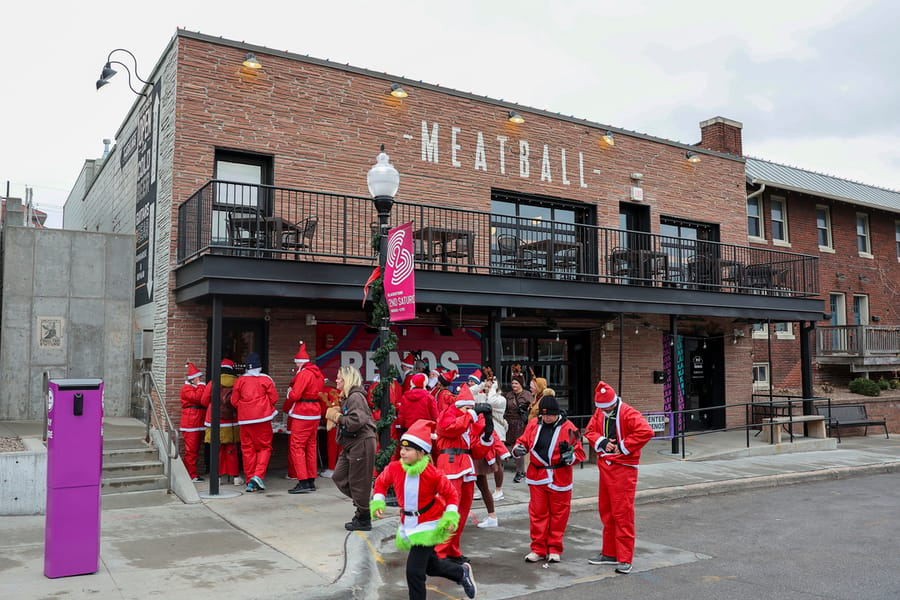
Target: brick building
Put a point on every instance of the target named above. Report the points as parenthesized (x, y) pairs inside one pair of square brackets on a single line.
[(580, 249)]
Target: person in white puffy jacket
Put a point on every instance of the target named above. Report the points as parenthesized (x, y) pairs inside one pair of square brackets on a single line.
[(494, 465)]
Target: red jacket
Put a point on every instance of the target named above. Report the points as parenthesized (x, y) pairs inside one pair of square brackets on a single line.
[(431, 488), (414, 405), (254, 396), (459, 433), (303, 401), (192, 410), (545, 467), (631, 433), (227, 414)]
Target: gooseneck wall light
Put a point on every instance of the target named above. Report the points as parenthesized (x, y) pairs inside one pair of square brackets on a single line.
[(691, 157), (397, 91), (514, 117), (107, 73), (251, 62)]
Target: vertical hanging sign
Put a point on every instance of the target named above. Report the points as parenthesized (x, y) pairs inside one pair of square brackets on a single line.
[(145, 216), (399, 274)]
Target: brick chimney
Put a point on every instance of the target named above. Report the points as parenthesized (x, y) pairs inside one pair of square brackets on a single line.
[(722, 135)]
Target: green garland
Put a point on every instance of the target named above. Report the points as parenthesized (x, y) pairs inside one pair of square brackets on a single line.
[(380, 314)]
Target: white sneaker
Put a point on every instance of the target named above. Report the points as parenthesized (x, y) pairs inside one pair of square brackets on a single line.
[(498, 495), (553, 557), (477, 495), (489, 522), (327, 473), (238, 480), (534, 557)]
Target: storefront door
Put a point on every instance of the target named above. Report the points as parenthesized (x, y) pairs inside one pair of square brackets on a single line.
[(704, 383)]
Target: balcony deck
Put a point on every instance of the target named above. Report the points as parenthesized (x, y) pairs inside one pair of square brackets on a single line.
[(864, 348)]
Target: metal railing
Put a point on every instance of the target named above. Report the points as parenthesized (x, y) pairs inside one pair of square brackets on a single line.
[(262, 221), (157, 416), (857, 340)]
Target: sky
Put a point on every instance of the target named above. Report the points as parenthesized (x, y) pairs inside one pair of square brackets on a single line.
[(814, 82)]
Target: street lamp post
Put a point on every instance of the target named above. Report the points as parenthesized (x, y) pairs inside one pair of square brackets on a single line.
[(384, 181)]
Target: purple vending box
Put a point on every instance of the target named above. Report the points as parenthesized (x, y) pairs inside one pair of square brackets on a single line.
[(74, 464)]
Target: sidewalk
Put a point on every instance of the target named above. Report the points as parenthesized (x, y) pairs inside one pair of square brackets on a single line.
[(272, 544)]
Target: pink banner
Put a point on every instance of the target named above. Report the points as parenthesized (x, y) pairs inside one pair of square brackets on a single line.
[(400, 275)]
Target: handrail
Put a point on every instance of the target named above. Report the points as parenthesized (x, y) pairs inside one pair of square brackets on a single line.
[(148, 388)]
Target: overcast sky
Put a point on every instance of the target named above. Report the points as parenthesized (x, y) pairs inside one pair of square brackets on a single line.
[(814, 82)]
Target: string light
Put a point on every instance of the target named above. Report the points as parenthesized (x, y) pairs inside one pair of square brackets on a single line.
[(603, 333), (636, 331)]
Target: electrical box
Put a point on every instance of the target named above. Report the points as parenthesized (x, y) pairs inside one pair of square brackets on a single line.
[(143, 344), (637, 194)]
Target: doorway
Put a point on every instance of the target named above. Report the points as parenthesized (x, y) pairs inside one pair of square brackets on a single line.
[(704, 385), (240, 337)]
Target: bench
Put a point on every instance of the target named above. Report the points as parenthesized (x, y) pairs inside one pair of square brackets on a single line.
[(850, 415), (772, 427)]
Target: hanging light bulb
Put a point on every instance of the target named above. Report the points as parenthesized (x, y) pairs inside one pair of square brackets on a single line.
[(704, 344), (603, 334), (636, 331), (672, 342)]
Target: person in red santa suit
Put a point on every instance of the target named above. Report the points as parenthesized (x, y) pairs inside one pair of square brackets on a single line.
[(229, 431), (617, 432), (304, 409), (554, 444), (407, 370), (330, 397), (428, 513), (255, 397), (459, 436), (415, 404), (192, 413), (441, 391)]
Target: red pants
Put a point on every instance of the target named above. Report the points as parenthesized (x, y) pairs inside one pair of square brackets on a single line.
[(192, 441), (302, 449), (548, 511), (615, 500), (465, 489), (228, 459), (333, 448), (256, 446)]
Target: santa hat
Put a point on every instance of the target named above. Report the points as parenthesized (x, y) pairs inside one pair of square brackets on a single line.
[(409, 361), (605, 396), (476, 376), (301, 356), (420, 435), (227, 363), (447, 377), (419, 380), (193, 371), (464, 397)]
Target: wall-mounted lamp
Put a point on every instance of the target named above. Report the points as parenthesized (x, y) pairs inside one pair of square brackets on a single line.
[(608, 139), (863, 279), (840, 276), (515, 117), (107, 72), (875, 318), (251, 62), (691, 157), (397, 91), (311, 319)]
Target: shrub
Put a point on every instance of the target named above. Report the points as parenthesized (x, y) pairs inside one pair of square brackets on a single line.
[(883, 384), (894, 383), (864, 386)]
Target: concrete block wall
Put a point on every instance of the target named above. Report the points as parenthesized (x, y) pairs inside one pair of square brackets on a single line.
[(83, 279)]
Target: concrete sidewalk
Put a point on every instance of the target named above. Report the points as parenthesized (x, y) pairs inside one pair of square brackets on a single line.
[(274, 545)]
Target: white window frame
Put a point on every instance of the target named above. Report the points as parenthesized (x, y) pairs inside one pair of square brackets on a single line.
[(897, 238), (760, 384), (862, 221), (826, 210), (861, 301), (785, 240), (759, 331), (784, 330), (757, 203)]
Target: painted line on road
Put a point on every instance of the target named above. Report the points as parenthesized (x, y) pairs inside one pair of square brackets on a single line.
[(374, 552)]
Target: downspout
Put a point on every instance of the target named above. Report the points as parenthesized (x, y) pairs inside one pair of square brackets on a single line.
[(762, 188)]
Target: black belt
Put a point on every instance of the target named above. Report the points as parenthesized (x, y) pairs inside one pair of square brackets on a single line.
[(454, 452), (559, 466), (196, 406), (416, 513), (307, 400)]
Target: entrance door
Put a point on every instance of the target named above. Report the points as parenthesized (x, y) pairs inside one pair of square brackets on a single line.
[(704, 383), (240, 337)]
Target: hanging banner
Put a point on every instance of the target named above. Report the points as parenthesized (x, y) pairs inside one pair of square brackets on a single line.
[(400, 275), (340, 344)]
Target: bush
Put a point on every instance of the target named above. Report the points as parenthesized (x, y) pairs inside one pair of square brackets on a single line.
[(894, 383), (864, 386), (883, 384)]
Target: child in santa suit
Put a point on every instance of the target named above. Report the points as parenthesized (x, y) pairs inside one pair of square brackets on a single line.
[(555, 445), (428, 511), (229, 432), (617, 432), (304, 409), (192, 413)]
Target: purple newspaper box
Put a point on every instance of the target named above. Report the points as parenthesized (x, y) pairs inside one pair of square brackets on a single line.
[(74, 464)]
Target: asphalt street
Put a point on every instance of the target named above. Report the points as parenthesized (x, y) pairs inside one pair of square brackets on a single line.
[(834, 539)]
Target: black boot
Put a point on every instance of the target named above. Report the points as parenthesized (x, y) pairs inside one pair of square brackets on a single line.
[(312, 484), (359, 524), (302, 487)]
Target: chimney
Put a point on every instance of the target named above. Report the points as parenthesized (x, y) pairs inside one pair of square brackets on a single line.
[(106, 143), (722, 135)]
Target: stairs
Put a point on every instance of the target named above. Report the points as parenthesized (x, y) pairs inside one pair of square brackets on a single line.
[(133, 474)]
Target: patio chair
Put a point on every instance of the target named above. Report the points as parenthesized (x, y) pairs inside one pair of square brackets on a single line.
[(300, 236)]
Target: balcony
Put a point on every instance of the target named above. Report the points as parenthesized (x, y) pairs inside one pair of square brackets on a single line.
[(240, 220), (864, 348)]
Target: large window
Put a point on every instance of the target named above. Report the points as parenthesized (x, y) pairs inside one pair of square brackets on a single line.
[(760, 376), (778, 215), (860, 309), (238, 190), (823, 227), (863, 242), (754, 218)]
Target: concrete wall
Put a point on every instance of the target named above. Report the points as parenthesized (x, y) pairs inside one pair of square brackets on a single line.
[(67, 305), (23, 480)]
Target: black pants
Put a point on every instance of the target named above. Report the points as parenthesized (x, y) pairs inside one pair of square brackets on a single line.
[(423, 561)]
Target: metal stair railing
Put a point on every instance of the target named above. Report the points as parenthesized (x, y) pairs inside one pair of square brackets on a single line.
[(154, 417)]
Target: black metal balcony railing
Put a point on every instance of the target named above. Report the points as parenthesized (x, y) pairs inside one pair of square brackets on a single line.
[(858, 340), (262, 221)]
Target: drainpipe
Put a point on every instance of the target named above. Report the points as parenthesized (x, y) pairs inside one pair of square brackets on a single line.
[(762, 188)]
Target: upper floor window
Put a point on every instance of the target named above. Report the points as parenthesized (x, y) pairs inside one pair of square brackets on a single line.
[(778, 214), (760, 330), (784, 330), (754, 218), (863, 241), (760, 375), (897, 237), (823, 227)]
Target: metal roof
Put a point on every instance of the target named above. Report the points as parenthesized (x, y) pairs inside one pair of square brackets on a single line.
[(816, 184)]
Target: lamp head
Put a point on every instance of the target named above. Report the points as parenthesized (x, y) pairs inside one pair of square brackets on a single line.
[(383, 179), (515, 117), (608, 139), (691, 157), (397, 91), (251, 62)]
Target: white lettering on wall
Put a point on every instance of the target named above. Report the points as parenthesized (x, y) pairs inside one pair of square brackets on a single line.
[(454, 147), (562, 155), (523, 159), (545, 165), (480, 158), (430, 143), (581, 169), (502, 140)]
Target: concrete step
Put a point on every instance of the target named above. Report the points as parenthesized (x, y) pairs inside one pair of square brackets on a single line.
[(131, 468), (124, 455), (140, 499), (132, 483), (123, 442)]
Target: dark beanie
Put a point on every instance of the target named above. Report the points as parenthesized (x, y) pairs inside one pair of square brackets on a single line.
[(548, 406), (253, 361)]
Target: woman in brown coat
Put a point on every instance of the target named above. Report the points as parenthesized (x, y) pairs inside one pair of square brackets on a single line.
[(518, 400)]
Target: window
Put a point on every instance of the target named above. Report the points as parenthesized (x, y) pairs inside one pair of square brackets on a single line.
[(239, 191), (760, 376), (784, 331), (754, 218), (837, 306), (897, 237), (863, 244), (778, 214), (860, 309), (823, 227), (759, 331)]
